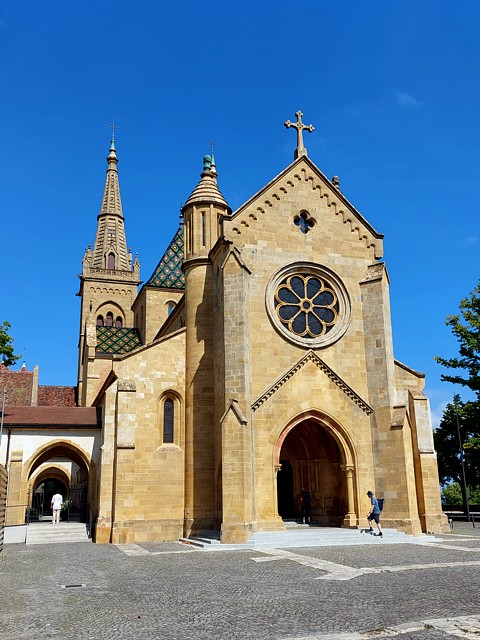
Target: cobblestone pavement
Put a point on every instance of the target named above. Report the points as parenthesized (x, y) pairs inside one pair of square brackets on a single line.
[(176, 592)]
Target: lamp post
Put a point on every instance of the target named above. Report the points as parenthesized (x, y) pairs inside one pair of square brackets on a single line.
[(462, 454), (4, 397)]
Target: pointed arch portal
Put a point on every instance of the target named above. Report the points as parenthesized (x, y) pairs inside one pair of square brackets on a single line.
[(59, 467), (312, 456)]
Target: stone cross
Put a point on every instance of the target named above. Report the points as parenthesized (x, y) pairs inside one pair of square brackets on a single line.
[(299, 126)]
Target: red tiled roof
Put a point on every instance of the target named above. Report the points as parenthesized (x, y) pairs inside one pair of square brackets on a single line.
[(52, 417), (18, 384), (54, 396)]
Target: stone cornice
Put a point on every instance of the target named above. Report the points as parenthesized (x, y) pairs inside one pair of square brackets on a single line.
[(311, 356)]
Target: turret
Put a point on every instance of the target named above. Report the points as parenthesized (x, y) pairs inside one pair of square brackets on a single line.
[(203, 213)]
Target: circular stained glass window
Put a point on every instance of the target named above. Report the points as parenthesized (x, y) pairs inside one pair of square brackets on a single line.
[(306, 305), (309, 304)]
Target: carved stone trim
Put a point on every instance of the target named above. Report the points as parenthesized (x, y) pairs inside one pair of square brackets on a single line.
[(307, 172), (311, 356), (126, 385)]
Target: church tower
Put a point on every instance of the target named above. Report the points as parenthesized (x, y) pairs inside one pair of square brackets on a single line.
[(203, 214), (110, 277)]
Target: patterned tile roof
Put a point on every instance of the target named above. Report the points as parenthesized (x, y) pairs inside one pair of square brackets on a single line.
[(169, 274), (115, 340)]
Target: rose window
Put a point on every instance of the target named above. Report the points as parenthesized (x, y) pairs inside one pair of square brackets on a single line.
[(306, 305)]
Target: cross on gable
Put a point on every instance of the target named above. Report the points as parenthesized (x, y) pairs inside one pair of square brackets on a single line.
[(299, 126)]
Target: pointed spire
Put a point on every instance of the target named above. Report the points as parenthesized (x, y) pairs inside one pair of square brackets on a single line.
[(207, 191), (112, 203), (110, 249)]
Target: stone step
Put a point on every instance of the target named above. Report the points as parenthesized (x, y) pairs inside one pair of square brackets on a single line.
[(309, 536), (64, 532)]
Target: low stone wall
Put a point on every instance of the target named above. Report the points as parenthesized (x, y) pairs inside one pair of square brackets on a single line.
[(3, 502)]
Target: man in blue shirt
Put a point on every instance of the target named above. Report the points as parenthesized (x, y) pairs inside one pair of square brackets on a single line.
[(374, 513)]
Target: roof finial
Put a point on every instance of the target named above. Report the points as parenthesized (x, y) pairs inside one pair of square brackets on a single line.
[(113, 126), (299, 126), (212, 144)]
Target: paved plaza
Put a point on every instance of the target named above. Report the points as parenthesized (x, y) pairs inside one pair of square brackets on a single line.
[(171, 591)]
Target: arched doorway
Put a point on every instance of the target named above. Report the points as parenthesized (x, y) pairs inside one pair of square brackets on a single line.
[(59, 467), (311, 458), (41, 498)]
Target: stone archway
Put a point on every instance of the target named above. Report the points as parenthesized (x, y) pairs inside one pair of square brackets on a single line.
[(313, 453), (58, 466), (48, 479)]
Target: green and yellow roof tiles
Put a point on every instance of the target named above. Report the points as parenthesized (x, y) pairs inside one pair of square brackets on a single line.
[(117, 340), (169, 274)]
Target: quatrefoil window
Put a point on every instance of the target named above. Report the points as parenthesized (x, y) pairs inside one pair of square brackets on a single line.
[(306, 305), (304, 222)]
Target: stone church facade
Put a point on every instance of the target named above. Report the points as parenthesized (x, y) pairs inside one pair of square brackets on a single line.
[(257, 359)]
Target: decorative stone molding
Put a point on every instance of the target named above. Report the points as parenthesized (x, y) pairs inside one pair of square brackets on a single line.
[(235, 408), (311, 356), (309, 173), (126, 385)]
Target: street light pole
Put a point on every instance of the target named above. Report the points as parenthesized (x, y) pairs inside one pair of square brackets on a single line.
[(4, 396), (462, 453)]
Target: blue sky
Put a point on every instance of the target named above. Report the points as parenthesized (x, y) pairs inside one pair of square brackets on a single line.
[(392, 89)]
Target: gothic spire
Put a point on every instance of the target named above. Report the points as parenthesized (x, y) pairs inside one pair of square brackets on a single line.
[(110, 249)]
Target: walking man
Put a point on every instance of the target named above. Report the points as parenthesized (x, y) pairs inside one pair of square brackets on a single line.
[(374, 514), (56, 506)]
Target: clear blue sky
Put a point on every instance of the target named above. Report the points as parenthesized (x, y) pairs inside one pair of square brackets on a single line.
[(392, 88)]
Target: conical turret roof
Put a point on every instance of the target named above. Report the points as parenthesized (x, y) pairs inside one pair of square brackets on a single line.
[(207, 191)]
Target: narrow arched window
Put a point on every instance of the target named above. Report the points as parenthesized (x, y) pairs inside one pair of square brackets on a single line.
[(109, 321), (170, 307), (111, 261), (100, 321), (168, 419), (119, 323)]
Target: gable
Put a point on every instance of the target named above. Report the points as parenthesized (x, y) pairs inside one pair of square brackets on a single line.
[(302, 185), (311, 356)]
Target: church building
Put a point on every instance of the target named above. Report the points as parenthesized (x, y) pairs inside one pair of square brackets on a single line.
[(256, 360)]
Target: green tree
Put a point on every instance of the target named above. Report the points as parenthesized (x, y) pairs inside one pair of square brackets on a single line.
[(466, 328), (463, 417), (452, 494), (6, 346)]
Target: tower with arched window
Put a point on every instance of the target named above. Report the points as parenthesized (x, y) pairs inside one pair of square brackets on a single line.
[(108, 283)]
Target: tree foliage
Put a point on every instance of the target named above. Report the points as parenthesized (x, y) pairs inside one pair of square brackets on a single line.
[(459, 435), (452, 494), (6, 346), (466, 328)]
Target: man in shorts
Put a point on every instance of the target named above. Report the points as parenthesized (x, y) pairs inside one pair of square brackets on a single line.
[(374, 514), (56, 506)]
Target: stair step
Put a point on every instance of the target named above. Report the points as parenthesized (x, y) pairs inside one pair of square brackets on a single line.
[(309, 536), (64, 532)]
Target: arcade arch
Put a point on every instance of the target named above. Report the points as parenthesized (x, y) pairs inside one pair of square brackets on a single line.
[(59, 466)]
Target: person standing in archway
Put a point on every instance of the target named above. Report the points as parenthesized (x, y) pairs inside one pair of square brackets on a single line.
[(56, 505), (305, 501)]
